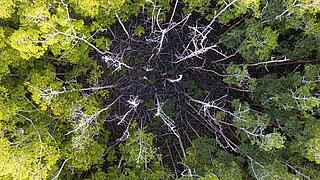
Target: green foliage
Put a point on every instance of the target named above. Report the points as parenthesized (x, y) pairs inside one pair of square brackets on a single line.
[(261, 41), (193, 88), (196, 6), (28, 43), (253, 126), (152, 79), (244, 117), (30, 156), (294, 92), (234, 38), (272, 141), (301, 47), (90, 7), (306, 10), (258, 44), (138, 149), (313, 150), (139, 157), (291, 101), (205, 159), (271, 10), (262, 165), (103, 43), (239, 76), (7, 8), (170, 107), (41, 105), (239, 8), (139, 30)]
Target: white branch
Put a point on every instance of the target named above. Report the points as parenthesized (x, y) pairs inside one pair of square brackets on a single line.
[(58, 173), (122, 25), (86, 120)]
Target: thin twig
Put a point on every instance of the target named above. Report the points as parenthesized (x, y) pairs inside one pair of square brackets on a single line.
[(241, 90), (208, 70), (225, 58)]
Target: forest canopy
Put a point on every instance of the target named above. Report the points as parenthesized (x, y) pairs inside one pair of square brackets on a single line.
[(159, 89)]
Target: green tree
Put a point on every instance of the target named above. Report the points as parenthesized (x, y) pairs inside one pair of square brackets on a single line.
[(206, 160)]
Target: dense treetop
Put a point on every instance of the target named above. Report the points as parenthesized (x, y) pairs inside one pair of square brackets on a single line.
[(159, 89)]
